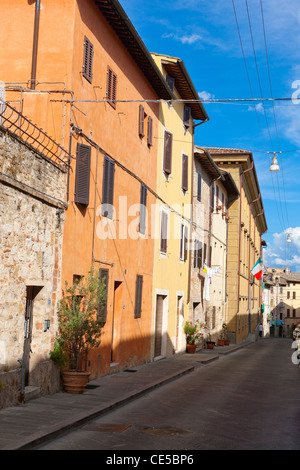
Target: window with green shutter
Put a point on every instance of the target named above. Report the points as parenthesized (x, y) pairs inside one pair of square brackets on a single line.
[(138, 296), (102, 309), (108, 188), (143, 209), (82, 177), (88, 60)]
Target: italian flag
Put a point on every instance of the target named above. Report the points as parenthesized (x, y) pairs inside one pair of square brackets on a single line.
[(257, 269)]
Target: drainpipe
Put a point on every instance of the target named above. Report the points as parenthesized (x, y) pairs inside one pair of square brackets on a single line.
[(35, 44), (249, 282)]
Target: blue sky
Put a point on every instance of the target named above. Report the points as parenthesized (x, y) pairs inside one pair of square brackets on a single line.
[(204, 34)]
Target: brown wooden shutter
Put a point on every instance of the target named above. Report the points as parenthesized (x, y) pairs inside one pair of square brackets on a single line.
[(199, 187), (143, 209), (164, 232), (102, 309), (141, 121), (111, 91), (186, 116), (108, 188), (170, 82), (168, 144), (185, 179), (82, 179), (88, 60), (150, 131), (138, 296)]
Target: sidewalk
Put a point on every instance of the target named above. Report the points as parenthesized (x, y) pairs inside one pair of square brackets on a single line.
[(29, 425)]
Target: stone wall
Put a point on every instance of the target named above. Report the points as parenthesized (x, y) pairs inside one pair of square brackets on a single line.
[(32, 193)]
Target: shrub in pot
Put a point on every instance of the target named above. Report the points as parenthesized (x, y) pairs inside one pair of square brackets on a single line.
[(79, 329)]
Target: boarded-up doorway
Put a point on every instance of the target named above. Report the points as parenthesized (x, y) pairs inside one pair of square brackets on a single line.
[(159, 315), (116, 320)]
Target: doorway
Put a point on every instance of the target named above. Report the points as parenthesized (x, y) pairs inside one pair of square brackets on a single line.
[(179, 321), (31, 293), (116, 320), (158, 334)]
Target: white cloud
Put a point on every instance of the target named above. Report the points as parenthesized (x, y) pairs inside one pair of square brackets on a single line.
[(282, 254), (185, 38), (258, 107), (205, 95)]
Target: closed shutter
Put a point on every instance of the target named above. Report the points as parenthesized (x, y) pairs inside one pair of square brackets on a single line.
[(212, 202), (108, 188), (82, 179), (88, 60), (181, 248), (170, 82), (168, 144), (185, 243), (150, 131), (138, 296), (143, 209), (198, 254), (141, 121), (164, 232), (102, 309), (186, 116), (184, 183), (111, 91), (199, 187)]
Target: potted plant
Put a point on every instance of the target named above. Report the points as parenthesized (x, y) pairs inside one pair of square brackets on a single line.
[(79, 329), (209, 343), (193, 333), (225, 334)]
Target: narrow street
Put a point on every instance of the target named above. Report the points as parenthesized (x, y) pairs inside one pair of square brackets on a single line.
[(248, 400)]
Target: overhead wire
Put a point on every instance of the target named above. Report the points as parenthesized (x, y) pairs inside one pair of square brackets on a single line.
[(274, 115)]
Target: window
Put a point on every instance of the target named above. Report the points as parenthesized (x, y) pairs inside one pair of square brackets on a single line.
[(183, 242), (294, 295), (108, 188), (168, 143), (150, 131), (164, 232), (82, 178), (288, 312), (141, 121), (294, 312), (212, 195), (184, 176), (138, 296), (288, 295), (88, 60), (102, 308), (143, 209), (199, 187), (186, 115), (170, 82), (198, 254), (111, 91)]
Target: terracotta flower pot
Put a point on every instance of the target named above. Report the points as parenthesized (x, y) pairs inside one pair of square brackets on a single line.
[(226, 342), (221, 342), (191, 348), (210, 344), (75, 382)]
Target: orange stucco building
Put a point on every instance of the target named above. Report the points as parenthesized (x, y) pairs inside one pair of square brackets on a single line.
[(79, 70)]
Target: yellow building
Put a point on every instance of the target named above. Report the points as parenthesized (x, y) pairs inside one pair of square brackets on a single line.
[(246, 224), (173, 209)]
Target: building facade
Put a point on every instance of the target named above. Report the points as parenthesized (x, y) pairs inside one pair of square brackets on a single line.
[(172, 261), (246, 225), (32, 196), (213, 191), (96, 89)]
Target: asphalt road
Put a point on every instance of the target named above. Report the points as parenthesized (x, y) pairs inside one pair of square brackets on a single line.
[(248, 400)]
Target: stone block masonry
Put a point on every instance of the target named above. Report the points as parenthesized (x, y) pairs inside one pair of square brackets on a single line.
[(32, 193)]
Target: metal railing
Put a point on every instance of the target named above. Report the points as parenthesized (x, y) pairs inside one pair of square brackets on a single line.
[(24, 129)]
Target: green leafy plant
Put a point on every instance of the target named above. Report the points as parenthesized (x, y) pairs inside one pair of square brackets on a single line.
[(224, 333), (79, 328), (193, 331)]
